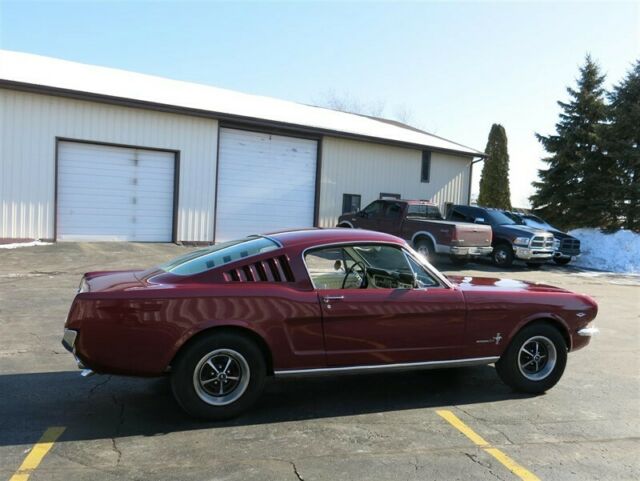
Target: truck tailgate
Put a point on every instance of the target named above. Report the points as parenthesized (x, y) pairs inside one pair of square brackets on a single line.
[(475, 235)]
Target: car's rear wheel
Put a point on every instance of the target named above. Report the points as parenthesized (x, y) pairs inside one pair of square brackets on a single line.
[(218, 376), (562, 261), (502, 255), (535, 359), (425, 248)]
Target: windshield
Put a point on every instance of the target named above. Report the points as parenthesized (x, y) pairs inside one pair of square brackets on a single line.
[(424, 211), (218, 255), (537, 222), (498, 218)]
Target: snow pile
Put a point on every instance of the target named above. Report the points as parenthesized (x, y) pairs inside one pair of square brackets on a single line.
[(617, 252), (24, 244)]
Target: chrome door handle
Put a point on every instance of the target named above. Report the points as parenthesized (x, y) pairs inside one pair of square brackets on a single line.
[(328, 299)]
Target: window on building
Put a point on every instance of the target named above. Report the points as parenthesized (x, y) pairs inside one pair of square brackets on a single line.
[(385, 195), (425, 175), (350, 203)]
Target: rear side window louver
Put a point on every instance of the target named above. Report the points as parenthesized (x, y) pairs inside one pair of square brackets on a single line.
[(275, 269)]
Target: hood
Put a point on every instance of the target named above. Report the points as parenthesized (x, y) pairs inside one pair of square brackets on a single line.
[(518, 230), (490, 283)]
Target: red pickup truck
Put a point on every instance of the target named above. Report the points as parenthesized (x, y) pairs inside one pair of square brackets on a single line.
[(421, 223)]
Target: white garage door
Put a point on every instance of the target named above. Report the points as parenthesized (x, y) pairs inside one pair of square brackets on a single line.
[(265, 183), (114, 194)]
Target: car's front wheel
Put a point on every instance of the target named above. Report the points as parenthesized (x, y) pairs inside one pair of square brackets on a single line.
[(218, 376), (502, 255), (535, 359), (562, 261)]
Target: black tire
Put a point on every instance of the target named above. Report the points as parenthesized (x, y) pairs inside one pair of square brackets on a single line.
[(425, 247), (534, 265), (345, 226), (561, 261), (248, 366), (551, 367), (502, 255)]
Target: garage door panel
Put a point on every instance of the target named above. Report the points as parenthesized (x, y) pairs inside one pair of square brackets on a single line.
[(110, 193), (265, 183)]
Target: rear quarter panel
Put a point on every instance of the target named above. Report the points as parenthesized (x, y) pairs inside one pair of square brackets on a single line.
[(139, 332)]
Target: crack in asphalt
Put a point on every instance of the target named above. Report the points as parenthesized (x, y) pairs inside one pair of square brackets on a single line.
[(114, 443), (97, 385), (295, 471), (487, 466)]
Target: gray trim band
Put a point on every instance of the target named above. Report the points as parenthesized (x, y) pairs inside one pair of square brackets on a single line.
[(404, 366)]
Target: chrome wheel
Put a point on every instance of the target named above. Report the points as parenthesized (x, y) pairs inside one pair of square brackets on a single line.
[(537, 358), (221, 377)]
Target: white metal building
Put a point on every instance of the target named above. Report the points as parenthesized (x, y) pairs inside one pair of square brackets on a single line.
[(92, 153)]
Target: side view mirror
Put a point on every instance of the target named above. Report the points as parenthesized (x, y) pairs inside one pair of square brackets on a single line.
[(408, 278), (362, 213)]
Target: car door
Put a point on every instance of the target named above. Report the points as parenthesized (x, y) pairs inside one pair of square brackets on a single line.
[(391, 219), (391, 320), (369, 217)]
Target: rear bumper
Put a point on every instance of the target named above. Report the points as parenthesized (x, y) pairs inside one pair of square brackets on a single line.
[(470, 251), (69, 343)]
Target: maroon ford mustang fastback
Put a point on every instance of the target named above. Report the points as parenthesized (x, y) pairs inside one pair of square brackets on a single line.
[(320, 301)]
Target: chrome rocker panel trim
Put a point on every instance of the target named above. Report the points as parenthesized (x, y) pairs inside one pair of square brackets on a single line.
[(404, 366)]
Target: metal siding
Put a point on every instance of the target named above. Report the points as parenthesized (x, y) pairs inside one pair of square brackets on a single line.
[(29, 125), (353, 167)]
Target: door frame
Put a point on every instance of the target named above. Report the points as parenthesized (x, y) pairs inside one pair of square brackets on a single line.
[(176, 178), (281, 133)]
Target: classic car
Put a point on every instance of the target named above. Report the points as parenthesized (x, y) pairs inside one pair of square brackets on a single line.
[(219, 320)]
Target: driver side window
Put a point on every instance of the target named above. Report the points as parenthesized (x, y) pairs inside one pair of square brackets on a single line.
[(365, 267)]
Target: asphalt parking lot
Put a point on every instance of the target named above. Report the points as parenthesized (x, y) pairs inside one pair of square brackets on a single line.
[(371, 427)]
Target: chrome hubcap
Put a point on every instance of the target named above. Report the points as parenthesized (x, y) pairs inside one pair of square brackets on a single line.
[(537, 358), (501, 256), (221, 377)]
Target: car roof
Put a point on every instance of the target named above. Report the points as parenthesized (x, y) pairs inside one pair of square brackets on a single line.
[(306, 238)]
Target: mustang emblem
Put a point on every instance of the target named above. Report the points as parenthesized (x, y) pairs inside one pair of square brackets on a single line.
[(495, 339)]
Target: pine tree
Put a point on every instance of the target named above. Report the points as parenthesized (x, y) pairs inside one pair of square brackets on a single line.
[(494, 181), (577, 189), (623, 145)]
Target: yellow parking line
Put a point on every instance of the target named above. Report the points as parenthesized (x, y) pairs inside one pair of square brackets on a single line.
[(478, 440), (39, 451)]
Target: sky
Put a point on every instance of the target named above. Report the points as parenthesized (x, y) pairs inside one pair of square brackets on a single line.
[(450, 68)]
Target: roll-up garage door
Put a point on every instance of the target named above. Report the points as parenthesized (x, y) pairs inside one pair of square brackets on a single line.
[(265, 183), (110, 193)]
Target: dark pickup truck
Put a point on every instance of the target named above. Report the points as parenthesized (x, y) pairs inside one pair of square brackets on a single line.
[(510, 240), (421, 223), (566, 246)]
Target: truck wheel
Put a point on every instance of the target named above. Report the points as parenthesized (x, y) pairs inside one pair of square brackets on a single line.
[(218, 376), (502, 255), (562, 261), (425, 248), (535, 359), (346, 226)]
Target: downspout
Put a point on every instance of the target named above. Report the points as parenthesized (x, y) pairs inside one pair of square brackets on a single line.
[(480, 159)]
